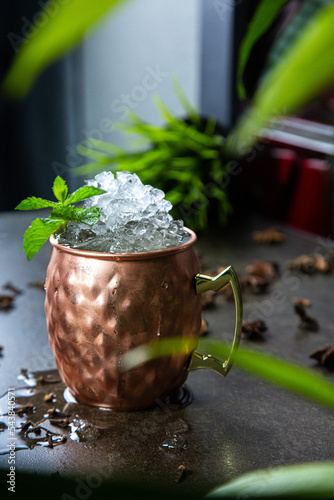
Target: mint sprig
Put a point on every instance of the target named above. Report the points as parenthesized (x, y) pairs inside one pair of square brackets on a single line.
[(62, 212)]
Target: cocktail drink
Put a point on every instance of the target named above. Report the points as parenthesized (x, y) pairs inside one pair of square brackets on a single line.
[(129, 280)]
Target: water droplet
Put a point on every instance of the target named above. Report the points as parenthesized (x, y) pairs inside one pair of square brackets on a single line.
[(115, 332), (114, 291), (158, 334), (175, 443), (27, 377), (82, 430), (56, 290), (176, 436), (164, 285)]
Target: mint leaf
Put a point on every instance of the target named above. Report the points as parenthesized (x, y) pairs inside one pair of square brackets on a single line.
[(83, 193), (65, 213), (90, 215), (33, 203), (60, 189), (37, 234)]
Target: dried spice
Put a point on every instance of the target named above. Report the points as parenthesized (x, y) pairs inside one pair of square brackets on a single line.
[(42, 380), (25, 410), (310, 264), (269, 236), (324, 356), (50, 397), (60, 422), (37, 284), (181, 473), (6, 302), (266, 270), (306, 321), (12, 288), (56, 414), (253, 329)]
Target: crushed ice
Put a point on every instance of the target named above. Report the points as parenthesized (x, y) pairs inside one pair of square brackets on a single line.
[(134, 218)]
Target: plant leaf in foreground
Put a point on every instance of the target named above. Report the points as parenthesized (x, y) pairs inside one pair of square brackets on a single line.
[(304, 71), (288, 375), (264, 16), (67, 23), (311, 480)]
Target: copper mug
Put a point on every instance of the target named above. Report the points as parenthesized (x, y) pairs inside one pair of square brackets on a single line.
[(100, 305)]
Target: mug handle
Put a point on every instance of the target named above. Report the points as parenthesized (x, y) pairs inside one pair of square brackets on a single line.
[(204, 283)]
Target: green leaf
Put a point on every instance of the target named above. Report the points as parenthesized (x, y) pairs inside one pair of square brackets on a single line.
[(188, 108), (264, 16), (83, 193), (311, 480), (288, 375), (65, 213), (305, 13), (67, 23), (37, 234), (60, 189), (304, 72), (90, 215), (33, 203)]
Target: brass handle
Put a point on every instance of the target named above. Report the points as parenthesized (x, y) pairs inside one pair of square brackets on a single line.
[(203, 284)]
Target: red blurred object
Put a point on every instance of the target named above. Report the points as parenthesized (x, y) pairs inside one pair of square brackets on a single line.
[(311, 204), (293, 174)]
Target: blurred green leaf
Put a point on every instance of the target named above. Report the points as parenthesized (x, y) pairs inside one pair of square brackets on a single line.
[(311, 480), (188, 108), (49, 41), (264, 16), (288, 375), (304, 71), (307, 10)]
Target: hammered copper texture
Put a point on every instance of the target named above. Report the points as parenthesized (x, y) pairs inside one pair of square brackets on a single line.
[(99, 306)]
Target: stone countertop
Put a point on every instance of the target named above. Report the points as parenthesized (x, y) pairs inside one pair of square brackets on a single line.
[(233, 425)]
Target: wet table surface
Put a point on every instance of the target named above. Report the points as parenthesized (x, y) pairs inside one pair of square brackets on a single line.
[(233, 425)]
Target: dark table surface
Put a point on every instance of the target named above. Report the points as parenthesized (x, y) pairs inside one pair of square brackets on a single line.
[(234, 424)]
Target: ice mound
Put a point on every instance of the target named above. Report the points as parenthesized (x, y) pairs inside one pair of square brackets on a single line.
[(134, 218)]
